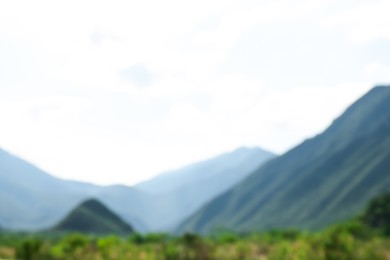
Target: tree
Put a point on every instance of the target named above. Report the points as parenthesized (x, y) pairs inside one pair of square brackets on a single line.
[(377, 214)]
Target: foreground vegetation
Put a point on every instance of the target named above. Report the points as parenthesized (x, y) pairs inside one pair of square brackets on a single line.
[(366, 237), (344, 241)]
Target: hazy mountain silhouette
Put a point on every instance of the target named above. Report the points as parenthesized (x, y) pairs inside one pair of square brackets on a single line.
[(183, 191), (207, 170)]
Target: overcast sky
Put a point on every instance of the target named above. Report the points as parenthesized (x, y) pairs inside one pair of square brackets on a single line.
[(118, 91)]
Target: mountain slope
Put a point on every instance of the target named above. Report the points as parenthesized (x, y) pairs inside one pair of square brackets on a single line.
[(325, 179), (184, 191), (92, 216), (207, 170)]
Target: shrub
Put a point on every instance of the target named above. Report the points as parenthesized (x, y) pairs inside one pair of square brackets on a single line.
[(136, 238), (29, 249), (377, 214)]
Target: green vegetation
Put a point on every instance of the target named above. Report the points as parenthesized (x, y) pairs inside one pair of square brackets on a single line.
[(325, 179), (360, 238), (377, 214), (93, 217), (343, 241)]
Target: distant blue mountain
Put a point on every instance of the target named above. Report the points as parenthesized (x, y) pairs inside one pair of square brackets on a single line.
[(31, 199)]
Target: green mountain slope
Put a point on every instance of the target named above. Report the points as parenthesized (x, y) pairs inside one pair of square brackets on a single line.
[(91, 216), (325, 179)]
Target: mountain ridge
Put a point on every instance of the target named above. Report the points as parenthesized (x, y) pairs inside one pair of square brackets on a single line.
[(148, 185), (275, 195), (179, 190)]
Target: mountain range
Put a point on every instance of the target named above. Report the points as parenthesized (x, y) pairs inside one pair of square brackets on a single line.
[(32, 199), (325, 179)]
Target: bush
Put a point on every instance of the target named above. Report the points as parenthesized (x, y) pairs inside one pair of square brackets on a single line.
[(29, 249), (106, 244), (136, 238), (74, 242), (377, 214)]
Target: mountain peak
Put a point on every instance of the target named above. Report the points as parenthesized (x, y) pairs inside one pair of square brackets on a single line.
[(93, 204), (92, 216)]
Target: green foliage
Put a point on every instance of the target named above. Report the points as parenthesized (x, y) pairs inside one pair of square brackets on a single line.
[(136, 238), (275, 236), (172, 252), (354, 227), (156, 237), (105, 245), (227, 237), (11, 239), (190, 239), (348, 240), (30, 249), (377, 214), (73, 242)]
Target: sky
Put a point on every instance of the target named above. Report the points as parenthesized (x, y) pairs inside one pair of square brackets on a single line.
[(119, 91)]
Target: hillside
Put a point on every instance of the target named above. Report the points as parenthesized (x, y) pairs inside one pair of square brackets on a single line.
[(325, 179), (93, 217), (183, 191)]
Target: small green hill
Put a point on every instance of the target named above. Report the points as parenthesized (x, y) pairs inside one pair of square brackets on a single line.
[(93, 217)]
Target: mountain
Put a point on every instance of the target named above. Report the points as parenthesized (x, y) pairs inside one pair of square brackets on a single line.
[(31, 199), (327, 178), (183, 191), (93, 217), (207, 170)]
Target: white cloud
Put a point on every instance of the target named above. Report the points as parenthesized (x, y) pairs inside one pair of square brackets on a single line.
[(364, 22), (377, 71)]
